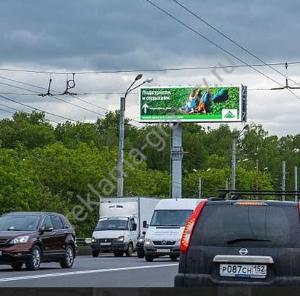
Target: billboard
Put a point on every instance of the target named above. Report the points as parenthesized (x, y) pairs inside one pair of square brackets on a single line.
[(193, 104)]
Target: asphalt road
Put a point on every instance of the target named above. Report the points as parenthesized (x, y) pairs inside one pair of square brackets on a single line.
[(104, 271)]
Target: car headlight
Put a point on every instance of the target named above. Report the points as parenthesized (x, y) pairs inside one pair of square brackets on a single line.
[(20, 240), (148, 242), (93, 240), (141, 240), (120, 238)]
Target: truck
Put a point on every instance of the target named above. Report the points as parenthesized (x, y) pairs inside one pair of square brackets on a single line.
[(121, 223), (166, 227)]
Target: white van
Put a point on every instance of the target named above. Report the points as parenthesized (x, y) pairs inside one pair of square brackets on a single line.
[(166, 227), (121, 223)]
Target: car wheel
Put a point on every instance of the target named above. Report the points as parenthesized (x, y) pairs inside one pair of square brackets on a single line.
[(129, 250), (174, 257), (149, 258), (68, 259), (17, 266), (95, 253), (140, 254), (118, 254), (34, 261)]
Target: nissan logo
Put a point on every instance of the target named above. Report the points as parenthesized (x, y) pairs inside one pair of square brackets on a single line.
[(164, 242), (243, 251)]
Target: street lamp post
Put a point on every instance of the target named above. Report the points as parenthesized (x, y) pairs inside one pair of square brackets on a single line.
[(296, 182), (257, 177), (233, 158), (120, 189)]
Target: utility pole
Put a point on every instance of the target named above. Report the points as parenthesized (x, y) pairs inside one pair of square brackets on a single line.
[(120, 191), (257, 178), (233, 164), (283, 179), (200, 187), (233, 157), (177, 155), (296, 182)]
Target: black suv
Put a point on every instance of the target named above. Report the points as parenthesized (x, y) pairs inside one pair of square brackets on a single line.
[(33, 237), (241, 242)]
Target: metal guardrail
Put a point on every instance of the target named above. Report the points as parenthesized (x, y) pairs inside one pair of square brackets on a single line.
[(82, 242)]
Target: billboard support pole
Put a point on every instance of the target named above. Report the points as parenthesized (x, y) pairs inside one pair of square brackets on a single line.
[(296, 182), (233, 164), (176, 156), (283, 179)]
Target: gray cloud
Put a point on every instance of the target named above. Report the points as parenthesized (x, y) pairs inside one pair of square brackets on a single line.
[(117, 33), (68, 35)]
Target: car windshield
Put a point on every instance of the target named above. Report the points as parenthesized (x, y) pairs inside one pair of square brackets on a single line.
[(19, 222), (112, 224), (170, 217), (232, 225)]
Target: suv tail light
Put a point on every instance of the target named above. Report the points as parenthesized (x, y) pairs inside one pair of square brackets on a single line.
[(250, 203), (189, 227)]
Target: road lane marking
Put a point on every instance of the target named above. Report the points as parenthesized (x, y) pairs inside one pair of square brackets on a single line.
[(29, 277)]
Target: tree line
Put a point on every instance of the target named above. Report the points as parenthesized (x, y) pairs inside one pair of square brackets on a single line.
[(49, 168)]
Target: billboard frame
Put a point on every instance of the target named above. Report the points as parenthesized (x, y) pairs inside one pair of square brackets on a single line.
[(242, 105)]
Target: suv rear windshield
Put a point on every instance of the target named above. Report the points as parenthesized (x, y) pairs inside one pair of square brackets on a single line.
[(233, 225)]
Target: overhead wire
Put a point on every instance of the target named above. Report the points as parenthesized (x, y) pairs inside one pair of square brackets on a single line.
[(36, 92), (148, 69), (7, 111), (215, 44), (6, 106), (231, 40), (57, 98), (38, 109)]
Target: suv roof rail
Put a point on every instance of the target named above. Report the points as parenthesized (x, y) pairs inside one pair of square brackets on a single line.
[(235, 194)]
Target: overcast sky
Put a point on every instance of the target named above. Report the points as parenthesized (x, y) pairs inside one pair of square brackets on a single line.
[(95, 35)]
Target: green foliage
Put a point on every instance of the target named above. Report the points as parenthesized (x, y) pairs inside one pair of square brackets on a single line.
[(31, 130), (60, 169)]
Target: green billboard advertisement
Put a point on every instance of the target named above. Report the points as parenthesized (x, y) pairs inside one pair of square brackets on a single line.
[(193, 104)]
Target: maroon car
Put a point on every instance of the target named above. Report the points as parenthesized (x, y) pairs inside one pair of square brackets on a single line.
[(33, 237)]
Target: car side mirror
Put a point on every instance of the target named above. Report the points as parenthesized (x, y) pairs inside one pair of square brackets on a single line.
[(48, 229), (145, 225), (134, 226)]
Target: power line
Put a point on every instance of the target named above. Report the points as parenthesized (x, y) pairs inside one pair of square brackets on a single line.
[(55, 96), (75, 95), (6, 111), (215, 44), (36, 92), (149, 70), (6, 106), (35, 108), (230, 39)]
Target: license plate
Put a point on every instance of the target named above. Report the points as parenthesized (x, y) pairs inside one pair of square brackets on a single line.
[(243, 270), (105, 244), (163, 250)]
